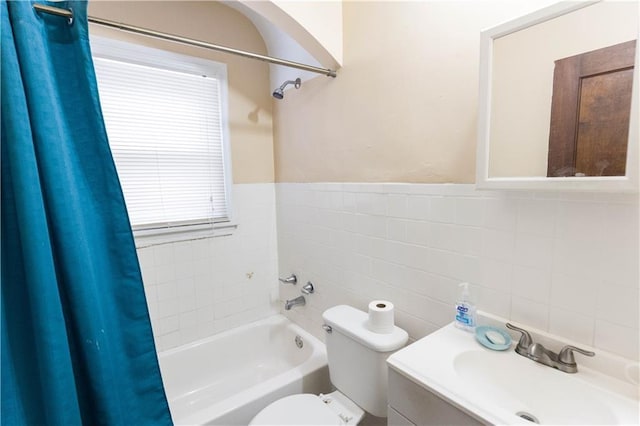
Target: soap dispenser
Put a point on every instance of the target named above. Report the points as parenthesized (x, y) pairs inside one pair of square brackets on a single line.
[(465, 318)]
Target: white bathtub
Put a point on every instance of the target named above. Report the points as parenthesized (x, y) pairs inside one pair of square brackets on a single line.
[(226, 379)]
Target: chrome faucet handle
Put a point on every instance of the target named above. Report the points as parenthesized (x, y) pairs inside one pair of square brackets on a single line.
[(291, 279), (525, 340), (308, 288), (566, 354)]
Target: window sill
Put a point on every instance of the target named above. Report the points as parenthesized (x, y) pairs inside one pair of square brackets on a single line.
[(153, 237)]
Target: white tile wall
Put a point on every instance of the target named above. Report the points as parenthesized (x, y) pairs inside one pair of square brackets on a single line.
[(200, 287), (565, 263)]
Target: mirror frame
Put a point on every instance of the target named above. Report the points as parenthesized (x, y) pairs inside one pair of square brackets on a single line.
[(627, 183)]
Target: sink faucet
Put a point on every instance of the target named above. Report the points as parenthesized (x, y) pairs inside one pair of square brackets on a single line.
[(563, 361), (293, 302)]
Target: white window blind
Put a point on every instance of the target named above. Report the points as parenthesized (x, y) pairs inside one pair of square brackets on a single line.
[(166, 132)]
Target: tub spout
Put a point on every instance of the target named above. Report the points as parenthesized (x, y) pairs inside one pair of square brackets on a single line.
[(293, 302)]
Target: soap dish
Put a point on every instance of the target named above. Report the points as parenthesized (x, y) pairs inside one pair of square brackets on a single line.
[(481, 336)]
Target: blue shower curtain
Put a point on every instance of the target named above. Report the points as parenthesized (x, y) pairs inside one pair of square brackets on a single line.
[(77, 346)]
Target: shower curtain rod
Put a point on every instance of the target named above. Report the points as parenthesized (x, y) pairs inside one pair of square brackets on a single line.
[(66, 13)]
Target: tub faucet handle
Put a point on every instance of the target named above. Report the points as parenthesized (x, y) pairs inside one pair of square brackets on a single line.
[(308, 288), (291, 279)]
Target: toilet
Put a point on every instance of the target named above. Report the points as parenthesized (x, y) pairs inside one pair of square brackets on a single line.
[(357, 369)]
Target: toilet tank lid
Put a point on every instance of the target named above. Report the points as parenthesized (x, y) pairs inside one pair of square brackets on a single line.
[(352, 322)]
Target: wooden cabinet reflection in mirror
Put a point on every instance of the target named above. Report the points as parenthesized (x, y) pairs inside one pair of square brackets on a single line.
[(590, 111)]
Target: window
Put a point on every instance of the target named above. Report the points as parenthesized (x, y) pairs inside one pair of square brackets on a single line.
[(165, 116)]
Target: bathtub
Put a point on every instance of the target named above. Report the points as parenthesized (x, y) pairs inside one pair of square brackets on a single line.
[(227, 378)]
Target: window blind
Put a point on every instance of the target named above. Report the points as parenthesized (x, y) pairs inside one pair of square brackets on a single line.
[(165, 130)]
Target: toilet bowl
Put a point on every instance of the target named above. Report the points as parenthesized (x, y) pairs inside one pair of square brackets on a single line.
[(309, 409), (357, 368)]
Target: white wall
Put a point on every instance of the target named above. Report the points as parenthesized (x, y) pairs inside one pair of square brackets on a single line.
[(279, 45), (317, 26), (322, 19), (564, 263), (198, 288), (403, 107)]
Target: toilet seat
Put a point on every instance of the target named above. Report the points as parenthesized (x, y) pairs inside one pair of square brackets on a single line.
[(309, 409)]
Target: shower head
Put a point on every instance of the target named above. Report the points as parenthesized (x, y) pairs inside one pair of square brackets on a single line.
[(279, 92)]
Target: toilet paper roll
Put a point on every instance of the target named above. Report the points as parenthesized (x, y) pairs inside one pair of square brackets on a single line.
[(381, 317)]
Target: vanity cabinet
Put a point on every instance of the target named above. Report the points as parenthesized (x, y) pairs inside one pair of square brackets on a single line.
[(411, 404)]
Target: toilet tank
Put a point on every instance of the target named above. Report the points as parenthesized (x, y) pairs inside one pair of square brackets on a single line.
[(357, 357)]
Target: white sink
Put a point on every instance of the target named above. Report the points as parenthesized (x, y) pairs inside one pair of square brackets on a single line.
[(558, 400), (506, 388)]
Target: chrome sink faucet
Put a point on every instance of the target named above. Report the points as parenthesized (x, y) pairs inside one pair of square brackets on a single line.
[(563, 361)]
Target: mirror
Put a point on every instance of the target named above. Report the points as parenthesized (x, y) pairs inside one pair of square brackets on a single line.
[(559, 99)]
